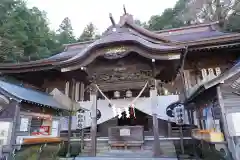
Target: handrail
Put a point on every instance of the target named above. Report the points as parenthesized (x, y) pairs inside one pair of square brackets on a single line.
[(147, 138)]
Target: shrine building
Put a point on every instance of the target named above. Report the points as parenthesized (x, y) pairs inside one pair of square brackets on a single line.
[(129, 77)]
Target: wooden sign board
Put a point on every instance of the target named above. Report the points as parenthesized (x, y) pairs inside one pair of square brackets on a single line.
[(115, 50), (125, 132), (24, 123)]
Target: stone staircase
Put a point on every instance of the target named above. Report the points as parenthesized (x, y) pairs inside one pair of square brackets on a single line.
[(103, 149), (176, 131)]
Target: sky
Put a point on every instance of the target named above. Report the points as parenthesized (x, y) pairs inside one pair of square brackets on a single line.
[(82, 12)]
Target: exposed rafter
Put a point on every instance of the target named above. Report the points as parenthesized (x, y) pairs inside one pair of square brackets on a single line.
[(112, 20), (124, 10)]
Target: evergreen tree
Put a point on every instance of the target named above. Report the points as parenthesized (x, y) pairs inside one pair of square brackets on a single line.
[(24, 33), (89, 33), (169, 18), (65, 35)]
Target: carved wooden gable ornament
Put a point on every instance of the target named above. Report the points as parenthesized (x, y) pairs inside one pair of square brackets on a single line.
[(115, 52)]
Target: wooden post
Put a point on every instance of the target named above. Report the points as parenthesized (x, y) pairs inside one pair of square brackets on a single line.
[(81, 91), (82, 99), (70, 120), (169, 128), (93, 98), (16, 121), (153, 95), (230, 141), (181, 140)]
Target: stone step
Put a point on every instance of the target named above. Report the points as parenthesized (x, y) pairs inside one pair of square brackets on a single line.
[(131, 154), (98, 151), (103, 147), (98, 144)]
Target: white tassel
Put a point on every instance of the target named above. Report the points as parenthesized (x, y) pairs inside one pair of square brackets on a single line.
[(114, 110), (127, 112), (119, 113)]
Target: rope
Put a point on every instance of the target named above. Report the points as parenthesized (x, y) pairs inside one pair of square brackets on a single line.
[(103, 94), (140, 93)]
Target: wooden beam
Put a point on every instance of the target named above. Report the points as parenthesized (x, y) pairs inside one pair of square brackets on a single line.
[(122, 86)]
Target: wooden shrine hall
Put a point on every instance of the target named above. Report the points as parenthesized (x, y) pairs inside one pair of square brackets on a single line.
[(128, 77)]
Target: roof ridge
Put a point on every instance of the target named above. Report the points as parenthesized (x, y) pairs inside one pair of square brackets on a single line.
[(187, 27), (146, 32), (76, 43)]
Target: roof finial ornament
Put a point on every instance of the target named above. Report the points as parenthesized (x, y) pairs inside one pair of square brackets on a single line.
[(112, 20), (124, 10)]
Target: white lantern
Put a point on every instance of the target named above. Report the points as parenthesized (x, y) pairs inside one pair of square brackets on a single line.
[(128, 94), (165, 91), (116, 94)]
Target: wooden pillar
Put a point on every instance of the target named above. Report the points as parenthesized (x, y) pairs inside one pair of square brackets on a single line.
[(169, 128), (81, 91), (77, 89), (67, 88), (15, 123), (70, 120), (153, 96), (93, 98), (231, 145), (82, 99)]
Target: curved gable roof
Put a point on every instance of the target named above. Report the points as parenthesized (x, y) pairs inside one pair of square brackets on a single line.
[(126, 31), (123, 37)]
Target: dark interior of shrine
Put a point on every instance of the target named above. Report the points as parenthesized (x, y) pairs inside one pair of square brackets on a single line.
[(136, 118)]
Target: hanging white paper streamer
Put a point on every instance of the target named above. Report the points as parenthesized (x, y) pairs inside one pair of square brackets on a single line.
[(119, 113), (127, 112), (114, 110)]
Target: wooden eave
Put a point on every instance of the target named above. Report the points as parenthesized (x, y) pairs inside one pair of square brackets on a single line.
[(125, 39), (51, 64), (187, 27), (214, 40)]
